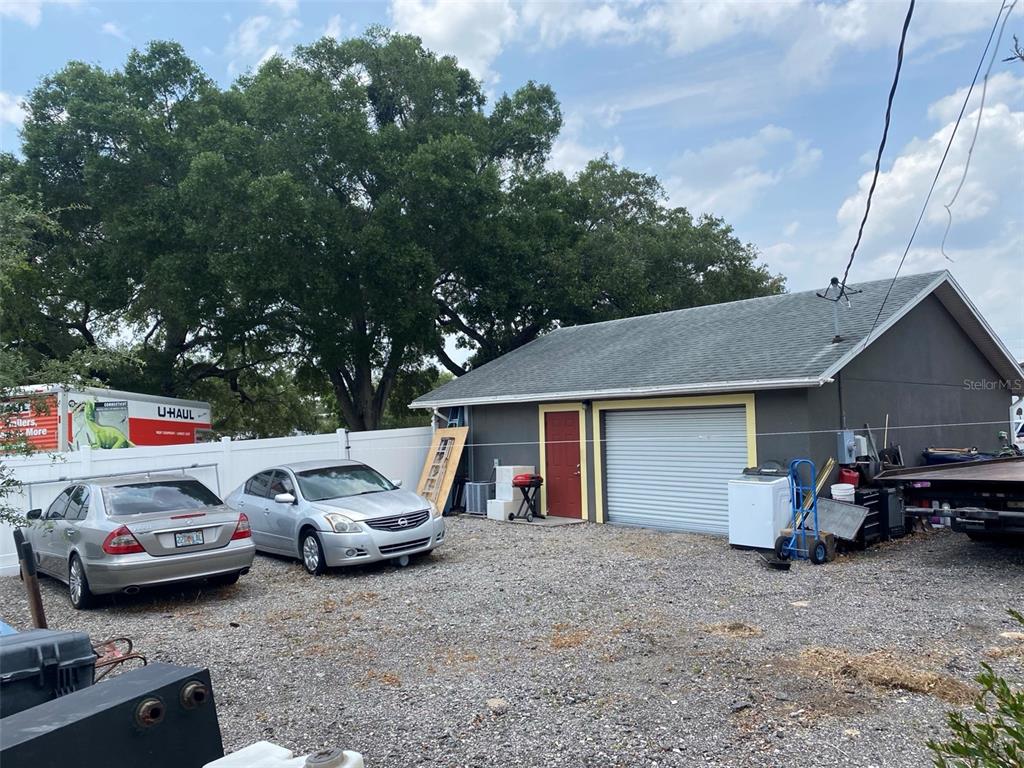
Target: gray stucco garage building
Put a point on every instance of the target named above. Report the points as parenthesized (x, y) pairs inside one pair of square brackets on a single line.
[(643, 421)]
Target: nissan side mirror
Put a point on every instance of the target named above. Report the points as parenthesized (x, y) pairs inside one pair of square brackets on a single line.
[(34, 514), (396, 483), (284, 498)]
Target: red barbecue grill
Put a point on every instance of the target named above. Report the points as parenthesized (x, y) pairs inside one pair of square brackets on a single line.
[(528, 485)]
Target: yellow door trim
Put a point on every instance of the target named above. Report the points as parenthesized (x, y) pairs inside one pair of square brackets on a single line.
[(698, 401), (542, 469)]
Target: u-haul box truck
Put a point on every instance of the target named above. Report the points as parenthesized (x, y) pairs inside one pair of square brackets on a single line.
[(65, 419)]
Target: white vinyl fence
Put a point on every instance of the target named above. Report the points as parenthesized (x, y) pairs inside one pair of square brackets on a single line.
[(396, 453)]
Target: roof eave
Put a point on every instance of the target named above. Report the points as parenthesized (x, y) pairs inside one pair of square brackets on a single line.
[(1007, 366), (890, 321), (722, 387)]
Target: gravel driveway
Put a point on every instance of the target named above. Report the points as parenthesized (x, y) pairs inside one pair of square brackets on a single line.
[(608, 647)]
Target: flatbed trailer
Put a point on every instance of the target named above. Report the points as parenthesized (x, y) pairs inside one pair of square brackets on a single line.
[(984, 499)]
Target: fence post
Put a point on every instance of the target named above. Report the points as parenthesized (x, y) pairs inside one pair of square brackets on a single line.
[(225, 450), (86, 459), (344, 450)]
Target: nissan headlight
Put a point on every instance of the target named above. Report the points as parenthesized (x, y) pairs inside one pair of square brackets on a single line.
[(434, 511), (340, 523)]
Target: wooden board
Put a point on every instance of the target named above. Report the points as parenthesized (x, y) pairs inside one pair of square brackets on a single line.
[(440, 496), (823, 475)]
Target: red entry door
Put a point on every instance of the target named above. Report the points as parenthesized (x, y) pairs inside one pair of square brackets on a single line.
[(562, 463)]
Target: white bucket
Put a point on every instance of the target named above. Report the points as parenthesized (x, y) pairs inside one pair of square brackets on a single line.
[(843, 492)]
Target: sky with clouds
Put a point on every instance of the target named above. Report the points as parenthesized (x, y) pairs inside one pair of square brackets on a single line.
[(765, 113)]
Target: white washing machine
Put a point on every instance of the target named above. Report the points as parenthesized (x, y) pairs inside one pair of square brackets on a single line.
[(759, 508)]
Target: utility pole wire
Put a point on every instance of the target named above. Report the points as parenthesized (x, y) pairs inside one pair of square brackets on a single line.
[(881, 146), (977, 127), (942, 162)]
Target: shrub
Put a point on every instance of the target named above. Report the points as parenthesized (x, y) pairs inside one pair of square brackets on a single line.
[(996, 738)]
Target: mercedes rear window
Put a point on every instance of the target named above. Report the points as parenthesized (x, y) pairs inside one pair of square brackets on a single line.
[(158, 496)]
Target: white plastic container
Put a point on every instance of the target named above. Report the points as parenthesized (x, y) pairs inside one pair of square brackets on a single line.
[(843, 492), (263, 754), (497, 509), (503, 490)]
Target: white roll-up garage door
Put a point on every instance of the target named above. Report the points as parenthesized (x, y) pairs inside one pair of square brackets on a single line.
[(671, 469)]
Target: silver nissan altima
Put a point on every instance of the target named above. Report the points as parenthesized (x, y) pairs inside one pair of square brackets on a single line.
[(336, 513)]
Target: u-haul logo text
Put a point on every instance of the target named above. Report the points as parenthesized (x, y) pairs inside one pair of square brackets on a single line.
[(175, 412)]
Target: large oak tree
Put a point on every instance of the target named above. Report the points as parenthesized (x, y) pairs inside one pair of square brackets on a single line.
[(331, 220)]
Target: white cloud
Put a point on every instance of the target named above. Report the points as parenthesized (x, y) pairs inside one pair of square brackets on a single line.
[(745, 60), (782, 43), (12, 110), (557, 22), (287, 7), (257, 39), (1002, 87), (114, 30), (997, 169), (817, 36), (986, 240), (334, 28), (475, 32), (29, 11), (690, 27), (570, 153), (729, 176)]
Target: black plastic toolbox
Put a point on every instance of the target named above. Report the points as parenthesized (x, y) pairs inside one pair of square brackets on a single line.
[(42, 664)]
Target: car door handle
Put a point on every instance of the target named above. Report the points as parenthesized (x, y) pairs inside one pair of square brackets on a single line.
[(70, 533)]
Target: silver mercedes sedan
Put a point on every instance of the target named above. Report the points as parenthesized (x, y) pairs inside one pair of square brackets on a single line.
[(118, 534), (335, 513)]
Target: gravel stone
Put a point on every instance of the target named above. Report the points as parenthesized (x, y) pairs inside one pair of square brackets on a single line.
[(599, 635), (497, 706)]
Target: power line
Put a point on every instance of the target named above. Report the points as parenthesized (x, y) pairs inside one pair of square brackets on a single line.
[(938, 171), (881, 145), (720, 434), (977, 127)]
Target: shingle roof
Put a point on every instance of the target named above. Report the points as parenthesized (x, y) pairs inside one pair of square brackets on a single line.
[(761, 343)]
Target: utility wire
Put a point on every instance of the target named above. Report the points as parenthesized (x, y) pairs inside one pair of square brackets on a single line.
[(717, 435), (881, 146), (977, 127), (942, 162)]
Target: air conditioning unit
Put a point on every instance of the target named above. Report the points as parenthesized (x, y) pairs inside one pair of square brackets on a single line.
[(477, 496)]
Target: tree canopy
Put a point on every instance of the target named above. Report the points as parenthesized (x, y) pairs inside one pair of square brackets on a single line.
[(311, 238)]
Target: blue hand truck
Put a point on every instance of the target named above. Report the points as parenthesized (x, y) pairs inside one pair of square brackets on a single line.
[(805, 540)]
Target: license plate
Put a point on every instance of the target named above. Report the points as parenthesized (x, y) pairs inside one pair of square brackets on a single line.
[(188, 538)]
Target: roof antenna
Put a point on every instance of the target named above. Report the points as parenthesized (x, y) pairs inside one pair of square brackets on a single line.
[(836, 293)]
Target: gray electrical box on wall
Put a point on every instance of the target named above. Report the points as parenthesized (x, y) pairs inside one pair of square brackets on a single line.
[(846, 447)]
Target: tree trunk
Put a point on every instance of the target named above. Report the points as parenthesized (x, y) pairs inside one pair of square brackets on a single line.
[(167, 358), (360, 401), (353, 418)]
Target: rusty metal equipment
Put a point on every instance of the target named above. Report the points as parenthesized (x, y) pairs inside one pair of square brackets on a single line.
[(112, 653), (27, 564)]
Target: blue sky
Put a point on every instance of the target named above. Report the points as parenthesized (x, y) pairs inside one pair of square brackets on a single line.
[(766, 113)]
